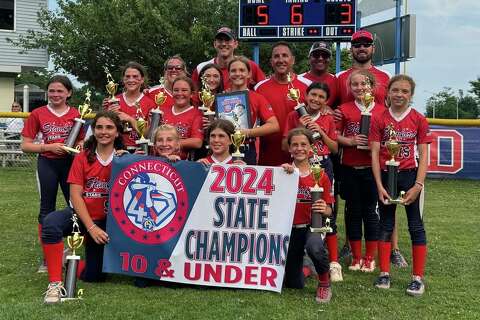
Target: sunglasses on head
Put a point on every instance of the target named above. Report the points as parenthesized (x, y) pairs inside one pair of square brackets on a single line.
[(362, 44), (176, 68)]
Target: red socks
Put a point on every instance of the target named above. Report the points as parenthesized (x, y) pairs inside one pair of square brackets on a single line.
[(332, 246), (419, 257), (356, 246), (80, 268), (384, 255), (53, 255), (324, 280), (371, 248)]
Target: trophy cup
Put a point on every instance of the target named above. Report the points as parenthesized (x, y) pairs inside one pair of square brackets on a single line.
[(238, 139), (141, 123), (84, 110), (157, 114), (207, 98), (316, 193), (393, 148), (366, 115), (294, 94), (74, 242), (111, 87)]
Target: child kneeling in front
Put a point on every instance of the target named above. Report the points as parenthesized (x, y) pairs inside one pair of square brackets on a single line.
[(300, 142)]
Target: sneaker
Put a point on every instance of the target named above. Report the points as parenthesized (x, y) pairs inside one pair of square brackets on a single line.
[(368, 264), (416, 288), (42, 268), (335, 272), (397, 259), (355, 265), (324, 294), (54, 293), (345, 253), (383, 282)]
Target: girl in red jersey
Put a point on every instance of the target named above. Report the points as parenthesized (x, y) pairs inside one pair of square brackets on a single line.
[(219, 133), (184, 117), (88, 181), (132, 103), (300, 142), (412, 132), (263, 119), (358, 184), (54, 121)]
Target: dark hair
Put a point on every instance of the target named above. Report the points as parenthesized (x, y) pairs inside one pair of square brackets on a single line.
[(223, 124), (16, 104), (300, 132), (62, 80), (137, 66), (281, 43), (91, 144), (176, 57), (205, 68), (186, 79), (402, 77), (319, 85), (242, 59)]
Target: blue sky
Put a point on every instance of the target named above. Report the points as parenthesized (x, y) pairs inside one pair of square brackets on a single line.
[(447, 48)]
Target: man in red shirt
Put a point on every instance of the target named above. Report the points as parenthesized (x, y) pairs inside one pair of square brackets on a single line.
[(319, 59), (225, 43)]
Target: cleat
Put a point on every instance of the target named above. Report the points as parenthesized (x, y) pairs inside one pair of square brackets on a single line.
[(355, 265), (397, 259), (54, 293), (383, 282), (416, 288), (324, 294), (368, 264), (335, 272), (42, 268)]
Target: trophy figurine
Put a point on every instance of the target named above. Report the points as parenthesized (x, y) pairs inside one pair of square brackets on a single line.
[(141, 123), (207, 98), (316, 194), (366, 115), (294, 94), (157, 114), (84, 110), (393, 148), (74, 242)]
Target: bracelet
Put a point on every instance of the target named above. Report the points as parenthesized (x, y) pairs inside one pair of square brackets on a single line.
[(91, 227), (420, 184)]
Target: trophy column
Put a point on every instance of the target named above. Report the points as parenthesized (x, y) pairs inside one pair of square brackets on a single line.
[(393, 148), (316, 193), (74, 242), (84, 110), (156, 117)]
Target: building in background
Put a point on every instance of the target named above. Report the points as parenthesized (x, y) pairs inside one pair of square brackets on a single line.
[(16, 18)]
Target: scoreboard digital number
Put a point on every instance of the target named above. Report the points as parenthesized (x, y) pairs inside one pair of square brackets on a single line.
[(264, 20)]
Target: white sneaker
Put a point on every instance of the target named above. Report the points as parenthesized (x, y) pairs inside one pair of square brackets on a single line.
[(368, 264), (42, 268), (355, 265), (335, 272), (54, 293)]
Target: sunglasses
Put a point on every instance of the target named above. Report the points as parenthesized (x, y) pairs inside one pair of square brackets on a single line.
[(176, 68), (317, 55), (362, 44)]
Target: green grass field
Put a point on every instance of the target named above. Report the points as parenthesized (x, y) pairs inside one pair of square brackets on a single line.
[(452, 219)]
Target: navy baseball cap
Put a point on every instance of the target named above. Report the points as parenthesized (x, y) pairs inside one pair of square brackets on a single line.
[(227, 32), (320, 46)]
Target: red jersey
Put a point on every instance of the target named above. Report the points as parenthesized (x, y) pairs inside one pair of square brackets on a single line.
[(326, 123), (257, 73), (153, 91), (93, 178), (146, 104), (54, 127), (411, 130), (329, 79), (188, 123), (211, 159), (271, 153), (259, 108), (303, 208), (350, 127), (380, 90)]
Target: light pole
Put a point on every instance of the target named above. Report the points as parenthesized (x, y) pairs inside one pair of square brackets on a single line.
[(456, 98), (433, 105)]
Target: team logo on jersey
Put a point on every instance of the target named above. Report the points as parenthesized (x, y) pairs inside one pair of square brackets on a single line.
[(149, 201)]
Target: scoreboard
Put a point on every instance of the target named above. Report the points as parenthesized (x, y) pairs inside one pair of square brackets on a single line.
[(296, 20)]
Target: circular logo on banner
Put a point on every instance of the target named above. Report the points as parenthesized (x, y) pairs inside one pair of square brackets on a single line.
[(149, 201)]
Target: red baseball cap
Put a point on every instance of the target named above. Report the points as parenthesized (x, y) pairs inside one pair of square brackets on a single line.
[(362, 35)]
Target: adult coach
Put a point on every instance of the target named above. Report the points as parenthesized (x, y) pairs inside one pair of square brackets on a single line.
[(362, 50), (319, 60), (225, 44), (275, 90)]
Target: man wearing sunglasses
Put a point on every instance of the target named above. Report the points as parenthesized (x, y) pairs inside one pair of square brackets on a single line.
[(225, 44), (319, 59), (362, 50)]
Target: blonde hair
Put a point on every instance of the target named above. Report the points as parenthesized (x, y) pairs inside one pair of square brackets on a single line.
[(167, 127)]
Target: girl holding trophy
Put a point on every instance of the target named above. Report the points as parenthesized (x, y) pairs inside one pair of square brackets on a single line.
[(358, 185), (88, 181), (54, 121), (396, 135), (300, 142)]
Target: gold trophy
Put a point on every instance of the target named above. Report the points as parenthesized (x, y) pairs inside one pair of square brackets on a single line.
[(84, 110), (316, 194), (237, 138), (366, 115), (111, 87), (74, 242), (157, 113), (393, 148), (141, 124), (207, 98)]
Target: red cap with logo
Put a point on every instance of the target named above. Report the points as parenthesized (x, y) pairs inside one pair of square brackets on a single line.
[(362, 35)]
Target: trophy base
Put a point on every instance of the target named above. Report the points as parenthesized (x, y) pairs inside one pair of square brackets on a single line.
[(71, 150), (208, 112), (70, 299), (141, 142), (396, 201), (238, 155), (325, 229)]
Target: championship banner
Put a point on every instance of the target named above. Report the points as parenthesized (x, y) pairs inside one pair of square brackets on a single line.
[(454, 152), (222, 225)]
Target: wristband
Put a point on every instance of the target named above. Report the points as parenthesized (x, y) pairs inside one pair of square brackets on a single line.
[(420, 184), (91, 227)]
